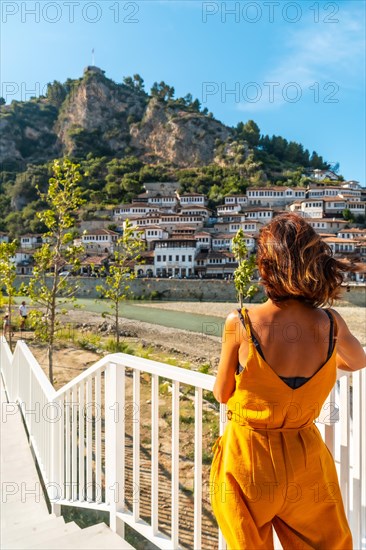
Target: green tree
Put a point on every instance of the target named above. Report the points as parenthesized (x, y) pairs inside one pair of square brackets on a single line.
[(249, 131), (188, 99), (116, 287), (47, 287), (348, 215), (134, 83), (138, 82), (246, 266), (162, 91), (7, 276), (56, 93)]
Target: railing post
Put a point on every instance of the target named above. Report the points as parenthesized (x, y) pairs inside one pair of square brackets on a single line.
[(362, 435), (55, 488), (345, 442), (198, 469), (115, 442), (14, 391), (223, 420), (175, 464), (155, 453)]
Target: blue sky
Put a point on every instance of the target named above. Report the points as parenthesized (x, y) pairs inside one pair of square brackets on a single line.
[(296, 68)]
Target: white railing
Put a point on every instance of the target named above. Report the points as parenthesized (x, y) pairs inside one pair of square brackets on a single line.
[(98, 443)]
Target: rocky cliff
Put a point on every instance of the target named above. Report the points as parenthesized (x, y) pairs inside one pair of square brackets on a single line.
[(96, 115)]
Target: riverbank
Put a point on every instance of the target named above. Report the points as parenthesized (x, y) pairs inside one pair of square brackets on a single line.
[(195, 350), (192, 290), (354, 316)]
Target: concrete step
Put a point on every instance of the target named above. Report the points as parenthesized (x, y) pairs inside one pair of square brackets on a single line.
[(97, 537), (13, 515), (29, 528), (38, 537)]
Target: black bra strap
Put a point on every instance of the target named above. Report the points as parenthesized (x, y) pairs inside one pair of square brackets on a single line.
[(331, 334)]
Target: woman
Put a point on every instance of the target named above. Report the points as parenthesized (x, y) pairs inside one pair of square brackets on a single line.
[(277, 367)]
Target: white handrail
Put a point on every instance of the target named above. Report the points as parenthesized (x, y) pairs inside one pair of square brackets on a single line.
[(72, 456)]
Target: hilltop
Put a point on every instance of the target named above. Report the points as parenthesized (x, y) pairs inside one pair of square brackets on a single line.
[(123, 137)]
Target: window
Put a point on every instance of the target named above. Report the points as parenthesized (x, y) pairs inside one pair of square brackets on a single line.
[(190, 258), (158, 258), (183, 258), (177, 258), (170, 258), (164, 258)]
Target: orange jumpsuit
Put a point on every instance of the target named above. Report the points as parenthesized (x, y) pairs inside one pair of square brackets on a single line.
[(271, 466)]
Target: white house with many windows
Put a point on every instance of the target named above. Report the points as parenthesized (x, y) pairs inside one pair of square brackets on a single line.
[(145, 221), (251, 226), (189, 199), (327, 225), (357, 208), (24, 261), (224, 209), (344, 246), (154, 233), (163, 202), (321, 175), (274, 196), (30, 240), (351, 233), (236, 199), (325, 191), (258, 213), (172, 221), (224, 241), (99, 240), (195, 210), (334, 205), (312, 208), (174, 257), (214, 263), (4, 237), (133, 210), (203, 239)]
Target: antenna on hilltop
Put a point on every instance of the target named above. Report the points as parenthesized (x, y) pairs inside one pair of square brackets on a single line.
[(93, 58)]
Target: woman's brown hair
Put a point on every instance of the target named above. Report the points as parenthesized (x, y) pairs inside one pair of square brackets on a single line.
[(294, 262)]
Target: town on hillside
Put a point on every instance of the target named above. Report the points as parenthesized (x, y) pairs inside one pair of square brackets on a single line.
[(185, 239)]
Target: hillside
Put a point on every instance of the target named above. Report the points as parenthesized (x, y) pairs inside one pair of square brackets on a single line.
[(122, 137), (94, 114)]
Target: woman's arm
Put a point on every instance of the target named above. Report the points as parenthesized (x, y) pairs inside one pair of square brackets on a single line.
[(350, 353), (231, 339)]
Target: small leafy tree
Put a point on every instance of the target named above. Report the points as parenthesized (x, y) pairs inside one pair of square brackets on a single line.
[(48, 288), (246, 266), (162, 91), (348, 215), (116, 288), (7, 276), (135, 83)]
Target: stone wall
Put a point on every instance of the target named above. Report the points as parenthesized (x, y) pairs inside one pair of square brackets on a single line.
[(202, 290)]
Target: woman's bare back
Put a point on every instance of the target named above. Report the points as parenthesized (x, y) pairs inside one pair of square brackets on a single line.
[(294, 339)]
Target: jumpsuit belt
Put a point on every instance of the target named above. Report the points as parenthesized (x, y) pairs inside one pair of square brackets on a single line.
[(268, 432)]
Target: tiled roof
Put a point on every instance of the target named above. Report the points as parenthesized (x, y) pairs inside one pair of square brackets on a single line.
[(96, 260), (191, 195), (340, 240), (101, 232)]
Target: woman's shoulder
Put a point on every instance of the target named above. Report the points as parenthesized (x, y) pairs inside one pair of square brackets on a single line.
[(233, 317)]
